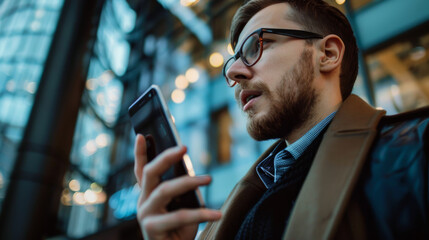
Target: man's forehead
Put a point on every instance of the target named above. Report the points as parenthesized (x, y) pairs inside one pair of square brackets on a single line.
[(273, 16)]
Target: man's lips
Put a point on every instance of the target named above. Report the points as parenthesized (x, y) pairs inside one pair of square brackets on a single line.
[(246, 97)]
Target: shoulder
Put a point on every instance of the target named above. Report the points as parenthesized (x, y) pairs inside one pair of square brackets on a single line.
[(421, 113), (403, 139), (412, 125), (393, 186)]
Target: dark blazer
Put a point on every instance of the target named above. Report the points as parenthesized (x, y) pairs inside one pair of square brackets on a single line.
[(392, 192), (389, 199)]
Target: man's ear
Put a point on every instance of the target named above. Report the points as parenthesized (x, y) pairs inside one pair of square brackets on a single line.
[(332, 52)]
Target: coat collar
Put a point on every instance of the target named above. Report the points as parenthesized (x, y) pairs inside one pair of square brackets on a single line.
[(348, 120)]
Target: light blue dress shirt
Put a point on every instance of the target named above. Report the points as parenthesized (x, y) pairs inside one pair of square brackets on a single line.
[(280, 159)]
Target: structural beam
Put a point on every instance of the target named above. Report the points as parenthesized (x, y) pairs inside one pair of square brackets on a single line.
[(30, 208)]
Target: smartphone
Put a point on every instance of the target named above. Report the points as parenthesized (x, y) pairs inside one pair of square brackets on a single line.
[(151, 118)]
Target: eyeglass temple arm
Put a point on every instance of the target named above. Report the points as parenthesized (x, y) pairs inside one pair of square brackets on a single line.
[(294, 33)]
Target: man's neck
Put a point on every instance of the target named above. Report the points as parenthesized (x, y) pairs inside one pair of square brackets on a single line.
[(316, 117)]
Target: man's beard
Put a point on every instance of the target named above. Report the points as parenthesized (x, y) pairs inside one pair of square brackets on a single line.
[(291, 106)]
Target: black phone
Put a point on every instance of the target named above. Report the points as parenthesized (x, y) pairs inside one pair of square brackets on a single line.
[(150, 117)]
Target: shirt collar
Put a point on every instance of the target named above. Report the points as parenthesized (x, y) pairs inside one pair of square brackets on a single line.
[(298, 147), (265, 169)]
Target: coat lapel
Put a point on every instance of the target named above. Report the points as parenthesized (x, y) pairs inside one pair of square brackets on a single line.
[(330, 178), (242, 198), (327, 189)]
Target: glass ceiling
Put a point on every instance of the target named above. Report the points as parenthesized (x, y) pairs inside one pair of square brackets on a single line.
[(26, 30)]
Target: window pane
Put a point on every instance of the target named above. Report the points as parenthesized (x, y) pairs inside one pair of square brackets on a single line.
[(26, 31), (400, 73)]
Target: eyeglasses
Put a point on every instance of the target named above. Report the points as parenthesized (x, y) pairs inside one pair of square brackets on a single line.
[(251, 49)]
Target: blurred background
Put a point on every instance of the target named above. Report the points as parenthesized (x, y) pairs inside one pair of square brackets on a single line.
[(69, 69)]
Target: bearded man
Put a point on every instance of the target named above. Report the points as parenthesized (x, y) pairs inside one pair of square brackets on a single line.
[(340, 169)]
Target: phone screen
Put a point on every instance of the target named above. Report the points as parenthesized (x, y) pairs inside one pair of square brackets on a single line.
[(150, 117), (150, 120)]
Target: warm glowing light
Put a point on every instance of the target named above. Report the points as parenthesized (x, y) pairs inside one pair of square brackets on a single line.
[(31, 87), (216, 59), (66, 197), (192, 75), (90, 147), (178, 96), (96, 188), (340, 2), (90, 196), (230, 50), (79, 198), (101, 197), (91, 84), (74, 185), (188, 3), (173, 119), (102, 140), (181, 82), (106, 77)]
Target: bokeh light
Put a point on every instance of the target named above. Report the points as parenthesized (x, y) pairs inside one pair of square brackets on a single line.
[(188, 3), (230, 50), (216, 59), (181, 82), (74, 185), (192, 75), (178, 96)]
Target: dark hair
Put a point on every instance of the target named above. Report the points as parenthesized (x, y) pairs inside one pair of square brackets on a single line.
[(315, 16)]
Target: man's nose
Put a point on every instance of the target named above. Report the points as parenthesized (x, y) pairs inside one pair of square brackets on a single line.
[(238, 71)]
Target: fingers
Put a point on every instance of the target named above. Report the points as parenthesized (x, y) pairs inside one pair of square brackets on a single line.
[(153, 170), (155, 195), (156, 222), (173, 220), (140, 157), (167, 190)]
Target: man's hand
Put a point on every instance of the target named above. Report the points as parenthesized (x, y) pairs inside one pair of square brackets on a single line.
[(154, 220)]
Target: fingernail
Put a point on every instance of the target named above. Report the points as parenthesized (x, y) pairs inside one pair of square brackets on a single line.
[(218, 214), (204, 177), (182, 148)]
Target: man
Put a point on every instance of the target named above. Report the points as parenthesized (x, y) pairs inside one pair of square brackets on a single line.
[(326, 177)]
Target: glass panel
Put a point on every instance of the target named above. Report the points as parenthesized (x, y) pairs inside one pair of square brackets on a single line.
[(400, 73), (83, 209), (26, 30)]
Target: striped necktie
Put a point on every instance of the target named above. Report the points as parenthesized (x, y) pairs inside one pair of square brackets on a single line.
[(282, 162)]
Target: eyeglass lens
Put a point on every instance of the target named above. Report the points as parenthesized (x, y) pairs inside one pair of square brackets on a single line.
[(250, 51)]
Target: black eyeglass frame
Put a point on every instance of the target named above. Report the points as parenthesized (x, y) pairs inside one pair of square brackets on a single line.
[(301, 34)]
